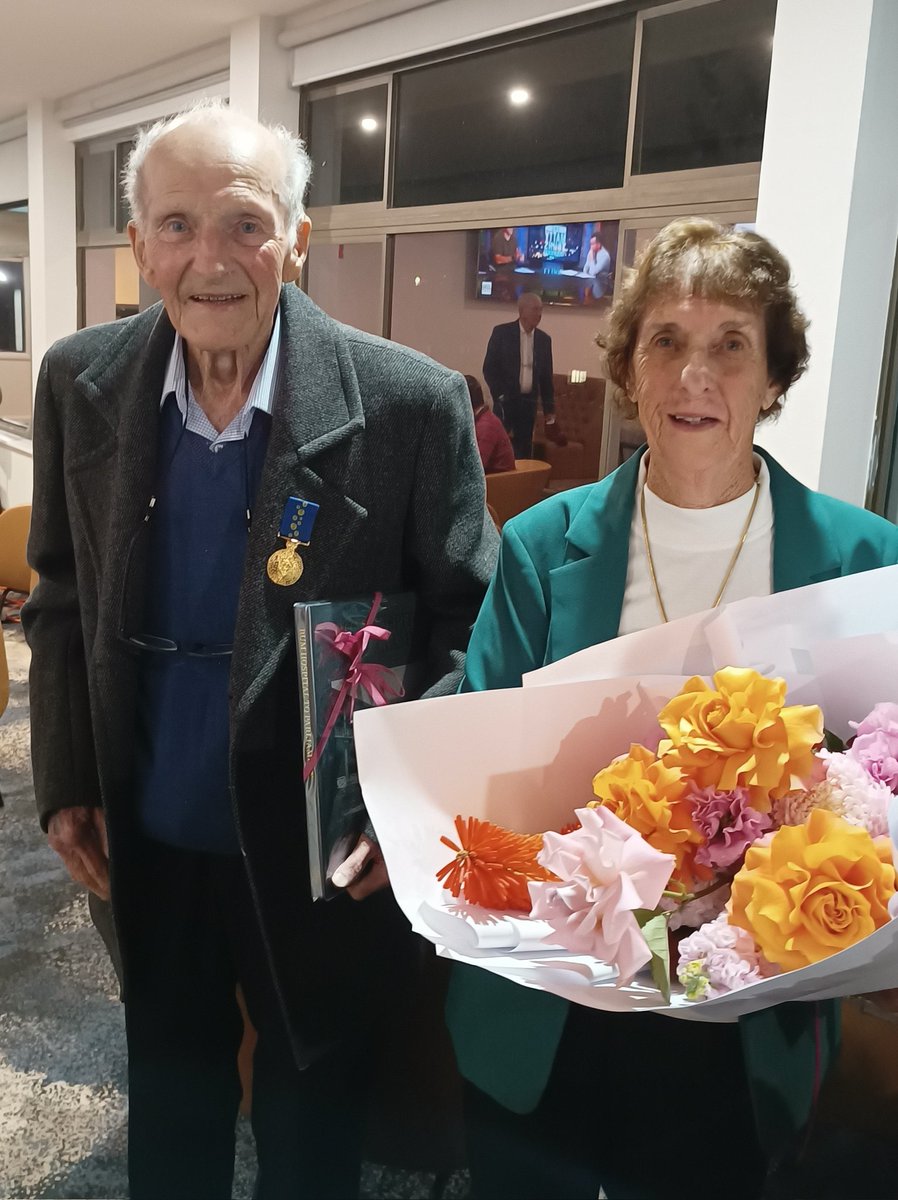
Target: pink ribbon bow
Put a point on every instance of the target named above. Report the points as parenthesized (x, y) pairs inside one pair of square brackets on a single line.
[(379, 682)]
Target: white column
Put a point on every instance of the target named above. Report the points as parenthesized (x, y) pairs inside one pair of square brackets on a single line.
[(51, 231), (260, 73), (828, 198)]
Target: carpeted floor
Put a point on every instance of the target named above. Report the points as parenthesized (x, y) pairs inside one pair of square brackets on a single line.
[(63, 1101)]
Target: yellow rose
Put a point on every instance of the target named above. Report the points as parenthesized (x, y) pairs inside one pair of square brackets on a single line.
[(650, 797), (813, 890), (739, 734)]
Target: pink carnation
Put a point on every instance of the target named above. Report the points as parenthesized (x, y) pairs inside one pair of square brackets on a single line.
[(606, 871), (847, 790), (728, 824), (697, 912), (725, 955), (876, 744)]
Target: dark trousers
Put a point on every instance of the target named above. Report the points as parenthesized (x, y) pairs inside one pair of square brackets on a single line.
[(644, 1106), (518, 415), (192, 936)]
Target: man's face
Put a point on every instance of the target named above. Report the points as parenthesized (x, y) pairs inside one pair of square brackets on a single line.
[(214, 241), (530, 313)]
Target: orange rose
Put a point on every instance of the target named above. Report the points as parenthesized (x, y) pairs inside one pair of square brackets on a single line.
[(649, 796), (813, 890), (740, 735)]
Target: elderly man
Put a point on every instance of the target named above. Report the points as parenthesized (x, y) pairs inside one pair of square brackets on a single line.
[(170, 450), (518, 371)]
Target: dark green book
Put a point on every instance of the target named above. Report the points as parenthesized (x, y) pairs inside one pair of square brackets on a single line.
[(391, 670)]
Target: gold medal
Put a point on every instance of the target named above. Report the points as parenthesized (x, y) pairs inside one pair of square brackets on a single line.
[(285, 566)]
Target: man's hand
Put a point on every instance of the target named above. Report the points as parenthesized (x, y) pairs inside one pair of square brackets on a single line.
[(363, 872), (78, 835)]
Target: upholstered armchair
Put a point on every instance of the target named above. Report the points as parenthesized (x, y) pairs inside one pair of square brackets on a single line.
[(579, 411), (510, 492)]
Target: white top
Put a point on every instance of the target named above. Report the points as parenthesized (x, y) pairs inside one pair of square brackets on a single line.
[(261, 393), (691, 550), (526, 378)]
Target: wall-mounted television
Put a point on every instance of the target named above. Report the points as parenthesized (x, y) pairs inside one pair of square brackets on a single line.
[(568, 264)]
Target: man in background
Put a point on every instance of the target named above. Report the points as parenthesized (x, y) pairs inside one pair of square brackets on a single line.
[(518, 372), (598, 267), (181, 458), (504, 249)]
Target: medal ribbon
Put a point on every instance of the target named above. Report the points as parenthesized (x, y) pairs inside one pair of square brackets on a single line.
[(379, 682)]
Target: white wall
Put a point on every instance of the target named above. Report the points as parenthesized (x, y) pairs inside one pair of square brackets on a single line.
[(426, 28), (439, 317), (829, 198), (13, 170), (347, 282), (99, 285), (15, 477), (15, 386)]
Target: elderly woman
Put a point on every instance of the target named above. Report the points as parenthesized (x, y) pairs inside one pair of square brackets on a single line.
[(704, 341)]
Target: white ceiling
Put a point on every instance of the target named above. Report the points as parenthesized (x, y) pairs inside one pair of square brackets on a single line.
[(50, 48)]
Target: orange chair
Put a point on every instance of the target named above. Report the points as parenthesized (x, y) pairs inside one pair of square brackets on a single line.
[(15, 574), (510, 492)]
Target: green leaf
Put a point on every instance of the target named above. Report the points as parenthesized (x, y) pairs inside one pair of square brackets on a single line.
[(832, 742), (653, 923)]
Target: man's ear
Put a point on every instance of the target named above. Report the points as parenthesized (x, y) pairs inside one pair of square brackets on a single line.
[(296, 256), (138, 248)]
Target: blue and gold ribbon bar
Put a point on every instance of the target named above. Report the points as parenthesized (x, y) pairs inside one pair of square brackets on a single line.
[(298, 520)]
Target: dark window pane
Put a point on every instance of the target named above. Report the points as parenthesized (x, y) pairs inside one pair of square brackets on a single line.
[(703, 78), (347, 138), (12, 307), (461, 136)]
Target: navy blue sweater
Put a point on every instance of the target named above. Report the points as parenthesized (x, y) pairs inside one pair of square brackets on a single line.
[(197, 547)]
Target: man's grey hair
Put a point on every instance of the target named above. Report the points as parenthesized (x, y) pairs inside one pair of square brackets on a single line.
[(297, 164)]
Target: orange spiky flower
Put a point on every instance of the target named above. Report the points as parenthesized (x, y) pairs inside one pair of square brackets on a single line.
[(492, 865)]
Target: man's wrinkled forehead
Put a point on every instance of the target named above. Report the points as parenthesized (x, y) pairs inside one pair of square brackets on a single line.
[(240, 146)]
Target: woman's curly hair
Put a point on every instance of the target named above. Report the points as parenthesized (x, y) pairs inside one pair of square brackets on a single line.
[(697, 257)]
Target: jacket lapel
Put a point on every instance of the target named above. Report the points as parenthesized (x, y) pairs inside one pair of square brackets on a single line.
[(317, 407), (111, 473), (588, 589), (804, 550)]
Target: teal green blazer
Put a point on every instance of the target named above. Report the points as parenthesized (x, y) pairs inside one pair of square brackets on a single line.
[(558, 588)]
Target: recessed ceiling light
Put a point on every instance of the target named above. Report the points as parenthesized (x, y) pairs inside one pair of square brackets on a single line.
[(519, 95), (369, 124)]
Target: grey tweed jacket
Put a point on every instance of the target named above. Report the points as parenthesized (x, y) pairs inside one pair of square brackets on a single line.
[(378, 435)]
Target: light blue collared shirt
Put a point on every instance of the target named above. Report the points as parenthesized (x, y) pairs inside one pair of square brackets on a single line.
[(261, 394)]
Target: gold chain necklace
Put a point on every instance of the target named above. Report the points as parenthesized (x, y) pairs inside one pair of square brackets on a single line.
[(730, 568)]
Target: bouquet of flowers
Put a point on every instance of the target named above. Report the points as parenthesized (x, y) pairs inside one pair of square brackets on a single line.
[(739, 824), (690, 844)]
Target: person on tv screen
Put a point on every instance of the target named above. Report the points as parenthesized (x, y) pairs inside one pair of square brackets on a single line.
[(504, 248), (518, 372), (598, 267), (496, 451)]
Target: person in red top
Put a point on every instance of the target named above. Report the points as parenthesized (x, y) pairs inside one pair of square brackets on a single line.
[(496, 452)]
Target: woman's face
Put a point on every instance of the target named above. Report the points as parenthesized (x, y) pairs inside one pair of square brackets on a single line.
[(699, 379)]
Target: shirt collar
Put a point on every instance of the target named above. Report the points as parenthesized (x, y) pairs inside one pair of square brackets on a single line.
[(261, 394)]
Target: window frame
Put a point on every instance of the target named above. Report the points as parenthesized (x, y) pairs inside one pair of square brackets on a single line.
[(16, 428)]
